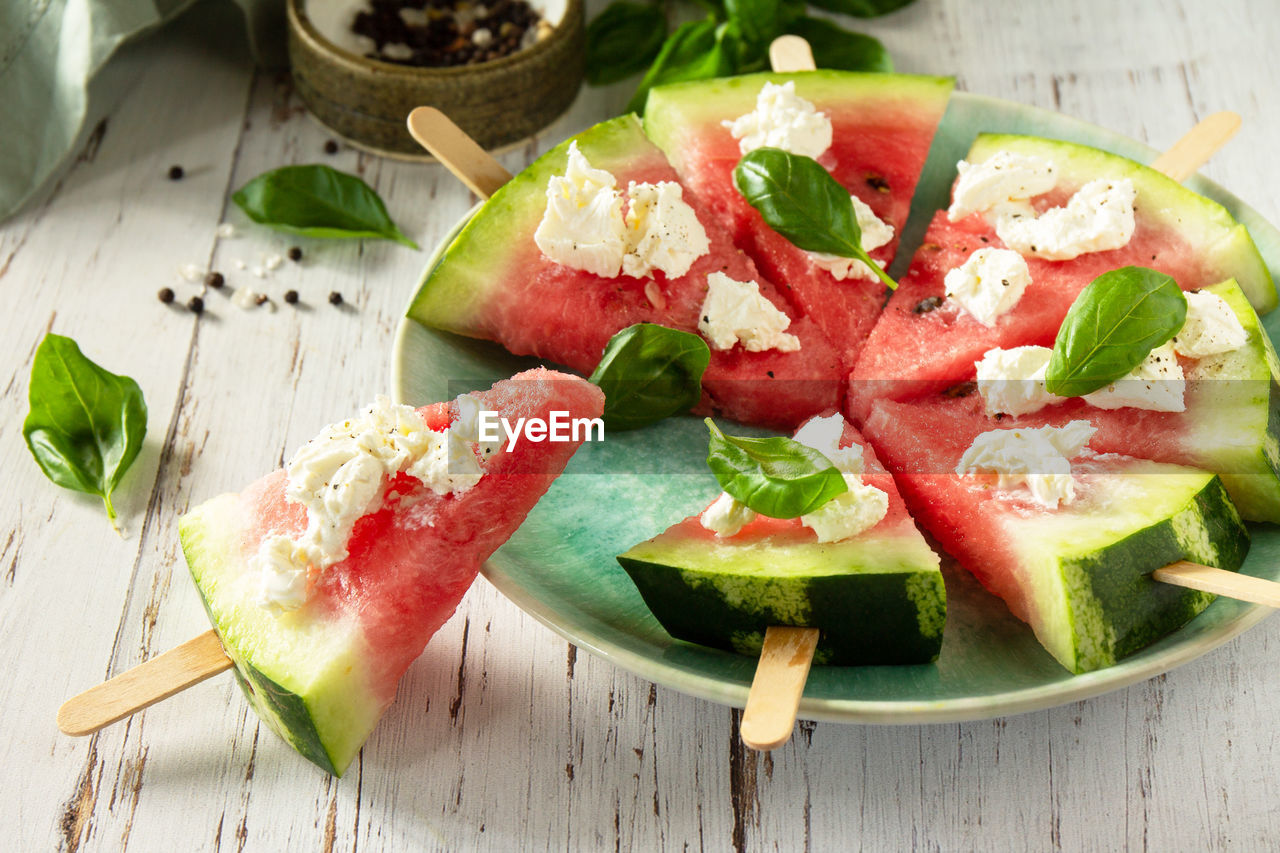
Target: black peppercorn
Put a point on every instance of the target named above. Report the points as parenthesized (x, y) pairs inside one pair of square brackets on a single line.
[(196, 304), (331, 147), (335, 298), (176, 173), (165, 295), (215, 280), (295, 253), (291, 296)]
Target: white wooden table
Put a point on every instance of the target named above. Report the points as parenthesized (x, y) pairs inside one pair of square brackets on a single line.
[(504, 737)]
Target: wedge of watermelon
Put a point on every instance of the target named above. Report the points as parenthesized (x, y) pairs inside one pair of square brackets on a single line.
[(1078, 574), (322, 675), (877, 597), (882, 126), (922, 343), (493, 282)]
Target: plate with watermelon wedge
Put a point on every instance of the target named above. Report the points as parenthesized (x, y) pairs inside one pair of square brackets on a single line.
[(897, 139)]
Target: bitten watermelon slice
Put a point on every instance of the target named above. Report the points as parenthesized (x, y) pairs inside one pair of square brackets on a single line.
[(494, 283), (1078, 574), (877, 597), (922, 343), (882, 126), (322, 675)]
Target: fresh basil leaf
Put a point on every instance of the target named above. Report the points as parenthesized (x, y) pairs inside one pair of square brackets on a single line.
[(623, 40), (698, 50), (1113, 325), (317, 201), (801, 201), (862, 8), (835, 47), (85, 425), (777, 477), (758, 23), (649, 372)]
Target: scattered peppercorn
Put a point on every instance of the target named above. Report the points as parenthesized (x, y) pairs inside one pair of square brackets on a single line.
[(331, 147), (441, 33), (261, 299), (165, 295), (196, 304), (335, 298), (176, 173), (295, 253), (215, 280), (291, 296)]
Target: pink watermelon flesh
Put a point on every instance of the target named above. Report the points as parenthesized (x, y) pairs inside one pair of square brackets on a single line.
[(410, 562)]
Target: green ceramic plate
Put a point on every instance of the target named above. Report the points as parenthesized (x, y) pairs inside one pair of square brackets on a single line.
[(560, 566)]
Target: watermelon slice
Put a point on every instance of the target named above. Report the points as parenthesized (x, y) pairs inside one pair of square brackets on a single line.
[(494, 283), (321, 675), (878, 596), (924, 344), (1078, 574), (882, 126)]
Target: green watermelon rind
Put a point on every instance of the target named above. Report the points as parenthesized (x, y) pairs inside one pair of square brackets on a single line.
[(879, 597), (313, 694), (1094, 595), (477, 266), (1214, 236), (678, 109)]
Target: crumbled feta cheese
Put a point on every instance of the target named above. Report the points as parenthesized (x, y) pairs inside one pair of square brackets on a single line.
[(875, 233), (663, 232), (823, 434), (397, 50), (1011, 381), (482, 37), (226, 231), (1040, 459), (273, 262), (259, 272), (583, 226), (988, 284), (1156, 384), (1097, 218), (1003, 177), (239, 264), (782, 119), (1211, 327), (725, 517), (191, 272), (848, 514), (340, 476), (737, 312), (245, 297)]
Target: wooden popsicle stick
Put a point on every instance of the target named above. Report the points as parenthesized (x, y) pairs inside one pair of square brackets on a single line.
[(1220, 582), (459, 153), (144, 685), (774, 698), (791, 53), (1197, 145)]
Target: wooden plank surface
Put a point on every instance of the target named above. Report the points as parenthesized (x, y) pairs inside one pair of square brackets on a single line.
[(503, 736)]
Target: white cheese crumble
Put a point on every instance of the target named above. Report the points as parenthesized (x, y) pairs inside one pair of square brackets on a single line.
[(988, 284), (1211, 327), (245, 297), (1011, 381), (1001, 178), (226, 231), (1040, 459), (1097, 218), (340, 476), (726, 516), (782, 119), (583, 226), (846, 515), (663, 232), (823, 434), (1156, 384), (191, 272), (875, 233), (737, 312)]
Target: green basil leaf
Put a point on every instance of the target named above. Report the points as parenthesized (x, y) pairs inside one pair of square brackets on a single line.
[(1113, 325), (777, 477), (317, 201), (85, 425), (801, 201), (649, 372), (623, 40), (698, 50), (835, 47), (862, 8), (758, 23)]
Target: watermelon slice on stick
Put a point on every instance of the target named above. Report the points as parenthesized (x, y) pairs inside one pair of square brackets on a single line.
[(320, 636)]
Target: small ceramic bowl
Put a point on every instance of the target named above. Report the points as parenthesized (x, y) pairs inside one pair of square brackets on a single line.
[(499, 102)]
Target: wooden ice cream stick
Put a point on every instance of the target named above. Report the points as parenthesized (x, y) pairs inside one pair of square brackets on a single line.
[(1197, 145), (791, 53), (774, 698), (459, 153), (1220, 582), (144, 685)]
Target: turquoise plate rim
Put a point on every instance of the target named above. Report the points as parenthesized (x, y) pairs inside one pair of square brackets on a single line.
[(724, 678)]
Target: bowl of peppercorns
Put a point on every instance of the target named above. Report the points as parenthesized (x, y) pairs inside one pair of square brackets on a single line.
[(501, 69)]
